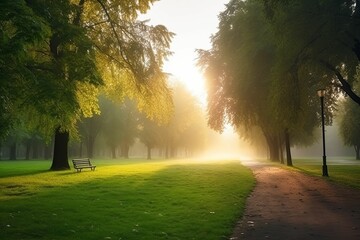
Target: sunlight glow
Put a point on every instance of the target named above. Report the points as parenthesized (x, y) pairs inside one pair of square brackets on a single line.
[(193, 31), (195, 82), (191, 78), (228, 146)]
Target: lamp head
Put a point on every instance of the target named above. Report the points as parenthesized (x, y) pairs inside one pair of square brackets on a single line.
[(321, 92)]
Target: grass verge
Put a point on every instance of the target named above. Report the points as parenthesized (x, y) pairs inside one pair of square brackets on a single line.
[(344, 174), (123, 200)]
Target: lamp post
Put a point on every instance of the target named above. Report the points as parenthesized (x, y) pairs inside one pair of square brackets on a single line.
[(321, 94)]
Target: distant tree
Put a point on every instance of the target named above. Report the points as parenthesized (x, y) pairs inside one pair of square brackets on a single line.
[(187, 114), (33, 144), (120, 126), (149, 134), (128, 127), (112, 118), (350, 120), (89, 129), (14, 140), (193, 139)]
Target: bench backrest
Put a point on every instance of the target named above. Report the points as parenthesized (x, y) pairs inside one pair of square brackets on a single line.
[(81, 162)]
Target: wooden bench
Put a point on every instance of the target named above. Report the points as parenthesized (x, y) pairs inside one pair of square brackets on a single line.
[(80, 163)]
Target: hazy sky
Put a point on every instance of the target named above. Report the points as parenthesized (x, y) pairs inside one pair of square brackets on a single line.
[(193, 22)]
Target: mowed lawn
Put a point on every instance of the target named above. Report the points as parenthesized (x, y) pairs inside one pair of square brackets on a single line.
[(137, 199), (348, 174)]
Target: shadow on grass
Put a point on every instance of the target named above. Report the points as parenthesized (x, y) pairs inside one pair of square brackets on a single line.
[(200, 201), (20, 174)]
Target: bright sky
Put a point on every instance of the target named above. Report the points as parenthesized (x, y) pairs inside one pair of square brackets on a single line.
[(193, 22)]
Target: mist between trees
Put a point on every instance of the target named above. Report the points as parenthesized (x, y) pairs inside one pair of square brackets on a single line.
[(91, 73), (121, 131)]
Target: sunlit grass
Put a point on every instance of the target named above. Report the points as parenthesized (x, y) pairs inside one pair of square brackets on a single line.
[(123, 200)]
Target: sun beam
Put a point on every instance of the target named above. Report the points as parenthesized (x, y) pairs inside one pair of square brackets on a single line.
[(195, 82), (187, 73)]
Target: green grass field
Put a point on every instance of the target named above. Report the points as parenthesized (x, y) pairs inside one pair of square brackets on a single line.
[(137, 199), (348, 174)]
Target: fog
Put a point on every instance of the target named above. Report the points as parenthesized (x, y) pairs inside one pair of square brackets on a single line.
[(333, 142), (227, 145)]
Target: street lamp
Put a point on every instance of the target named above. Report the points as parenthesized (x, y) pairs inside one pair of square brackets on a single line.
[(321, 94)]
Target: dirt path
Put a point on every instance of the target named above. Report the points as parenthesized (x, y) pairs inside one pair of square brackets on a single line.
[(290, 205)]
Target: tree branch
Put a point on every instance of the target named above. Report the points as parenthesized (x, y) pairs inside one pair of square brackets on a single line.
[(79, 11), (345, 86), (116, 36)]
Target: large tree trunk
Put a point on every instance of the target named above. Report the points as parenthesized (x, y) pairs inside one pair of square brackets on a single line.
[(273, 146), (60, 157), (288, 150)]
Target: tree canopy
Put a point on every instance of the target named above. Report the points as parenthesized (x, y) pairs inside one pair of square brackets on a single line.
[(65, 52), (321, 36), (267, 61)]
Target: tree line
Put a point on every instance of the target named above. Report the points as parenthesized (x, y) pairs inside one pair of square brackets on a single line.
[(112, 133), (269, 58), (63, 62)]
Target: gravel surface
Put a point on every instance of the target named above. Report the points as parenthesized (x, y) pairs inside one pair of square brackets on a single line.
[(290, 205)]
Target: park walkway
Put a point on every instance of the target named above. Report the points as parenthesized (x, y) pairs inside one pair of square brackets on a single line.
[(288, 205)]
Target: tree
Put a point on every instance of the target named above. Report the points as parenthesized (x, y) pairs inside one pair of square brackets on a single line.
[(350, 126), (120, 125), (112, 118), (247, 83), (90, 43), (321, 36), (149, 134), (187, 112), (89, 130), (238, 70), (350, 121), (20, 30), (194, 136), (128, 127)]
